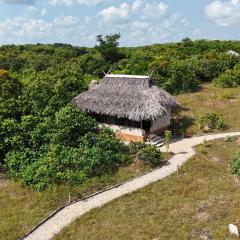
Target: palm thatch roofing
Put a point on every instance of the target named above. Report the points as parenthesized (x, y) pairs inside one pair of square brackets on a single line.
[(136, 98)]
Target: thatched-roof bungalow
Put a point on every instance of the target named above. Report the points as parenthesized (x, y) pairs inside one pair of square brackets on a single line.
[(133, 106)]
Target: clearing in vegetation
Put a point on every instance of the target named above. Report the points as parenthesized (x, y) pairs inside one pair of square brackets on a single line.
[(210, 99)]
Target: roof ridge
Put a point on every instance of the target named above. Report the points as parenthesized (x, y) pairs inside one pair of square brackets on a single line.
[(126, 76)]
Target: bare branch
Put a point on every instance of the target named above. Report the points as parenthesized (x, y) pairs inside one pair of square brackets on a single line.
[(111, 69), (151, 73), (103, 72)]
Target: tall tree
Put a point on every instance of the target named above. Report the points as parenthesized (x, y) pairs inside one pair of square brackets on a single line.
[(108, 46)]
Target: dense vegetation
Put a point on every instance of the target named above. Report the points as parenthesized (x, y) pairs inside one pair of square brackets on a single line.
[(230, 78), (45, 140)]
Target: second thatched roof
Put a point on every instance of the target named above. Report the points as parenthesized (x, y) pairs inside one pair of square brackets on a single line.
[(136, 98)]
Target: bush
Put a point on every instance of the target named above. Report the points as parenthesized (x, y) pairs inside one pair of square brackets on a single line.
[(63, 149), (150, 155), (135, 147), (102, 153), (168, 138), (235, 163), (230, 78), (98, 154), (212, 121), (182, 79), (70, 125)]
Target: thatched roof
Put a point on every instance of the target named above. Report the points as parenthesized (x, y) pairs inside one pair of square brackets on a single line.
[(125, 96)]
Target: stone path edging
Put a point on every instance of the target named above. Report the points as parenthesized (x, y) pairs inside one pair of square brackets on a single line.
[(183, 150)]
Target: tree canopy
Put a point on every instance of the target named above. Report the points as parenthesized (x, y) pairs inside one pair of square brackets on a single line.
[(108, 47)]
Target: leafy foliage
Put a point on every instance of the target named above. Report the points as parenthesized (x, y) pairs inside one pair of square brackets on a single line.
[(56, 161), (135, 147), (168, 138), (150, 155), (61, 70), (70, 124), (182, 79), (108, 47), (10, 89), (230, 78), (212, 121), (102, 153)]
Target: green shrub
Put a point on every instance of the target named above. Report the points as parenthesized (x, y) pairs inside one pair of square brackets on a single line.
[(135, 147), (64, 149), (70, 125), (213, 121), (182, 78), (102, 153), (230, 78), (168, 138), (98, 154), (150, 155), (235, 163)]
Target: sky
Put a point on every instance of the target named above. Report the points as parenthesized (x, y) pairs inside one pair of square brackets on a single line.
[(140, 22)]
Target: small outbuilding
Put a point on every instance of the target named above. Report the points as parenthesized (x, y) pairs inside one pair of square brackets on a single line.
[(133, 106), (232, 53)]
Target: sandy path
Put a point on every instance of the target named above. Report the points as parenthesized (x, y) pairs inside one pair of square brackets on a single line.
[(183, 150)]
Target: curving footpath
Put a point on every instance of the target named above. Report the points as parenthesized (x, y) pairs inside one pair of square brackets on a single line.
[(183, 150)]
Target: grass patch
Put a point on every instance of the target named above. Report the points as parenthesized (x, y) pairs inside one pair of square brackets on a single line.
[(198, 203), (23, 208), (211, 99)]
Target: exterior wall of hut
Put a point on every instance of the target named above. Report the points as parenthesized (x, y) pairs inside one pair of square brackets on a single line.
[(135, 134), (126, 133), (161, 123)]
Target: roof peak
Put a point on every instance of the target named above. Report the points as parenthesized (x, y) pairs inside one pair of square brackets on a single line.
[(126, 76)]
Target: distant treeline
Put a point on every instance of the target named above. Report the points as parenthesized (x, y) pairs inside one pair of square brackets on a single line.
[(177, 67)]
